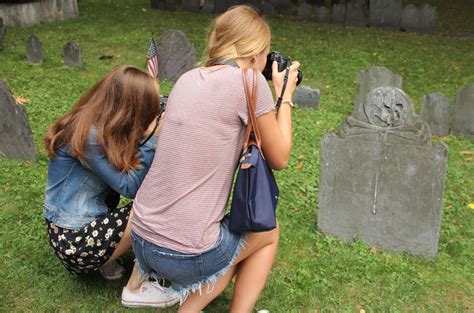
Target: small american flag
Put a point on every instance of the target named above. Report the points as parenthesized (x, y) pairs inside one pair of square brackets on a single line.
[(152, 59)]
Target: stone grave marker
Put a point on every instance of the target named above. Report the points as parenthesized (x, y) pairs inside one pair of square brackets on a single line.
[(3, 30), (34, 50), (463, 118), (73, 55), (410, 19), (436, 112), (176, 55), (281, 5), (221, 6), (338, 13), (268, 9), (428, 19), (357, 14), (381, 179), (385, 13), (158, 4), (323, 15), (375, 76), (208, 7), (15, 133), (190, 5), (305, 11), (307, 97)]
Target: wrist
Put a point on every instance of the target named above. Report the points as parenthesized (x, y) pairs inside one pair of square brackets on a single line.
[(289, 102)]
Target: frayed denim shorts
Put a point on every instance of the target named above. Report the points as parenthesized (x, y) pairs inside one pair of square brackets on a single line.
[(188, 273)]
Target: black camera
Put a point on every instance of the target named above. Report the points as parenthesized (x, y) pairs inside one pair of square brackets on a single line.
[(163, 103), (283, 62)]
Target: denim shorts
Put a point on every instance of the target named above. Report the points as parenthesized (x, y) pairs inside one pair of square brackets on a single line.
[(188, 273)]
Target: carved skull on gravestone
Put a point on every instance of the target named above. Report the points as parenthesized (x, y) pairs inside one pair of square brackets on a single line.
[(387, 107)]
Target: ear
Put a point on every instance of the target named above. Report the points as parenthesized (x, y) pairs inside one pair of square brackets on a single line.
[(253, 60)]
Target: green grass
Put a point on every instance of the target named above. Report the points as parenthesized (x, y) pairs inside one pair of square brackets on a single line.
[(312, 271)]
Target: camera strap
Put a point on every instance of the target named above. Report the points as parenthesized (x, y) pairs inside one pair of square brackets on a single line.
[(285, 81)]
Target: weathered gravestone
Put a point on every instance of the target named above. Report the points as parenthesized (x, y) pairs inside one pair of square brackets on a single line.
[(208, 7), (373, 77), (3, 30), (323, 15), (305, 11), (416, 19), (222, 5), (385, 13), (34, 50), (165, 5), (190, 5), (381, 180), (307, 97), (357, 13), (176, 55), (73, 55), (268, 9), (463, 118), (436, 112), (15, 134), (338, 13)]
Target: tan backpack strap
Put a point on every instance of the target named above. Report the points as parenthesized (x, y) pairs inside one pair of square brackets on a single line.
[(251, 106)]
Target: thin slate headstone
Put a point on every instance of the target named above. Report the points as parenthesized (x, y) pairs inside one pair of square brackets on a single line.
[(338, 13), (356, 14), (305, 11), (463, 118), (16, 140), (176, 55), (373, 77), (436, 111), (323, 15), (307, 97), (34, 50), (381, 179), (410, 20), (385, 13), (428, 18), (268, 9), (3, 30), (73, 55)]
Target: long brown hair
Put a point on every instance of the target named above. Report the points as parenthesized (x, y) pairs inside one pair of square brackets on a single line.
[(121, 105)]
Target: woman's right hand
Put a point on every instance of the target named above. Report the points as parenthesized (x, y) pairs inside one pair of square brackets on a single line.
[(278, 79), (152, 127)]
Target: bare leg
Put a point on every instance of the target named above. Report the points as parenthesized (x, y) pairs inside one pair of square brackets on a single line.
[(254, 264), (135, 281)]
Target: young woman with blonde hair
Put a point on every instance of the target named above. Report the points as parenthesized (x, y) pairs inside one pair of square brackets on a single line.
[(101, 149), (178, 229)]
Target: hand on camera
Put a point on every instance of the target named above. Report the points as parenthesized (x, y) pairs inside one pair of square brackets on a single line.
[(278, 79), (153, 127)]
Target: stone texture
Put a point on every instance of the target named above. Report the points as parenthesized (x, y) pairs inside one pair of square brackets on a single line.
[(34, 50), (175, 55), (323, 15), (357, 14), (208, 7), (33, 13), (381, 180), (3, 30), (338, 13), (190, 5), (268, 9), (428, 19), (410, 19), (73, 55), (436, 112), (422, 20), (15, 133), (373, 77), (305, 11), (463, 118), (385, 13), (307, 97)]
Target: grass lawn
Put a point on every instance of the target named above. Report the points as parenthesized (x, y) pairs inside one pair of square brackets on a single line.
[(312, 272)]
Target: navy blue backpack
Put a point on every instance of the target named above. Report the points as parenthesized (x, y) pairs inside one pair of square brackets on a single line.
[(255, 196)]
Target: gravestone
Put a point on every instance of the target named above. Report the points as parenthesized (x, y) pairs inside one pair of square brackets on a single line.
[(323, 15), (381, 179), (428, 19), (373, 77), (357, 14), (307, 97), (281, 6), (208, 7), (221, 6), (158, 4), (170, 5), (463, 118), (73, 55), (385, 13), (436, 112), (190, 5), (15, 133), (410, 20), (338, 13), (305, 11), (3, 30), (268, 9), (34, 50), (175, 55)]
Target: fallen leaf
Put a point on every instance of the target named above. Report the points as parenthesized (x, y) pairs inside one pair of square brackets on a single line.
[(466, 152), (374, 249), (449, 206), (299, 166), (318, 123), (362, 311), (6, 187), (21, 100), (468, 159), (471, 206)]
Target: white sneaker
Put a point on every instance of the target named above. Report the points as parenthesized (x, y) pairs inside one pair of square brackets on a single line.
[(151, 294)]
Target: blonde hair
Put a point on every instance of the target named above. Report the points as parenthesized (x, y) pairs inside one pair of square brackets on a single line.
[(240, 32)]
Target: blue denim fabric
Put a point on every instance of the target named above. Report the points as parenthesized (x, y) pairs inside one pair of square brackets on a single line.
[(188, 272), (78, 192)]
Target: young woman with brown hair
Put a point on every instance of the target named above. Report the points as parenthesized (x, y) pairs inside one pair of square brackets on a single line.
[(178, 228), (101, 149)]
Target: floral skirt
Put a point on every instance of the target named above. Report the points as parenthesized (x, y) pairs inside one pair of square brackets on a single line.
[(86, 249)]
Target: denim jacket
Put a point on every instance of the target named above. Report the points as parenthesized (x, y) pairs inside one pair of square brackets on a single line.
[(79, 192)]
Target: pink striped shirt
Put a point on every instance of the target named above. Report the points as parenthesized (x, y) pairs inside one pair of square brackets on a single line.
[(184, 195)]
